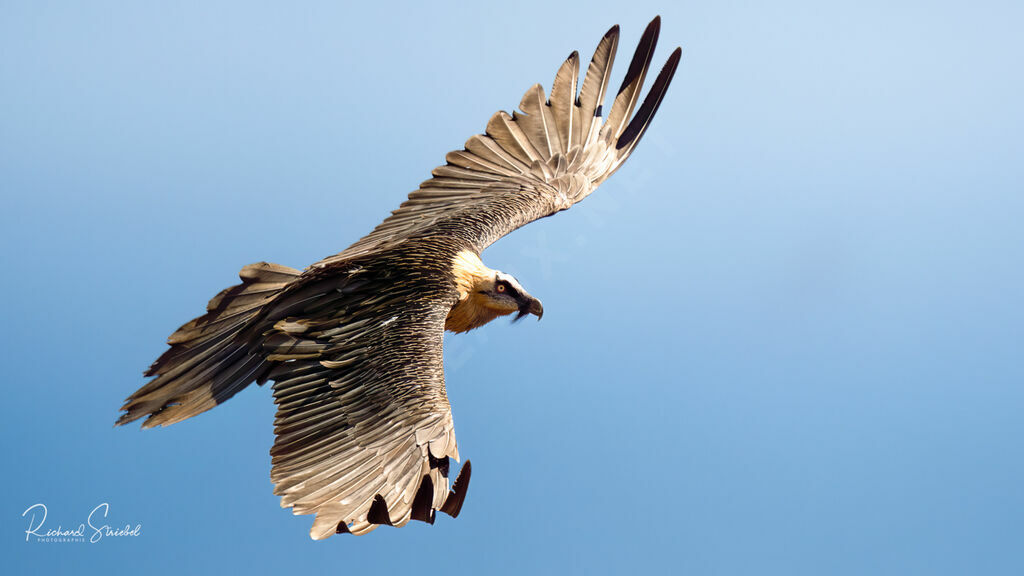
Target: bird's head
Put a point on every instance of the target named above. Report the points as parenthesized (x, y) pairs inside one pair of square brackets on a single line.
[(504, 295), (485, 294)]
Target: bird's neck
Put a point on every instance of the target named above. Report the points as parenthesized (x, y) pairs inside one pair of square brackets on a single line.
[(469, 273), (471, 311)]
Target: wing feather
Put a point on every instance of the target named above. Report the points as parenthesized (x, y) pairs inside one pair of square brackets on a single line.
[(638, 125), (538, 122), (562, 103), (595, 84), (633, 82), (504, 130), (491, 151)]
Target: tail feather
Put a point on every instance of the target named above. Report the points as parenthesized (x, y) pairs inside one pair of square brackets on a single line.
[(212, 357)]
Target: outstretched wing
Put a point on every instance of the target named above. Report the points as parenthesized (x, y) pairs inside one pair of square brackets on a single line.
[(363, 428), (545, 158)]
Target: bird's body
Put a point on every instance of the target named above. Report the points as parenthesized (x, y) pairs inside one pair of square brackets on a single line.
[(353, 344)]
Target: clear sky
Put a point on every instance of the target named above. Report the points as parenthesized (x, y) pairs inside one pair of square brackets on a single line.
[(786, 338)]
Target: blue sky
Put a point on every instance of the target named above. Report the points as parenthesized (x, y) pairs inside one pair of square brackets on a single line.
[(784, 339)]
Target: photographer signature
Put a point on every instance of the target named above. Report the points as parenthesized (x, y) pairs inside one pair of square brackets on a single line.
[(96, 529)]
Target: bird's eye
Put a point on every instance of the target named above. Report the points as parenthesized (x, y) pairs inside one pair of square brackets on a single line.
[(501, 288)]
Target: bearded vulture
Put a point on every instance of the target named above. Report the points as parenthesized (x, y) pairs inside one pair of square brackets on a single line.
[(352, 344)]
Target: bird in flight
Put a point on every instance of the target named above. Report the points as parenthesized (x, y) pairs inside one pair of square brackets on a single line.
[(352, 344)]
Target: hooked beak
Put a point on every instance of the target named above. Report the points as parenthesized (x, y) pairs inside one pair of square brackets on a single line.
[(530, 306)]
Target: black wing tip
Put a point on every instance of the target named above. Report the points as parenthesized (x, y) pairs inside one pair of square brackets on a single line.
[(453, 504), (421, 504), (653, 28), (378, 513), (638, 125), (644, 52)]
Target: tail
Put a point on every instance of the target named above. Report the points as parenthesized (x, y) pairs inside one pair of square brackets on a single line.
[(212, 357)]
